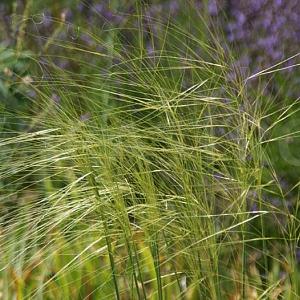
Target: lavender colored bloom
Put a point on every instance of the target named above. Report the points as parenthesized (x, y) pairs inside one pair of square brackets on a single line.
[(150, 49), (155, 9), (80, 7), (85, 117), (198, 4), (278, 3), (63, 63), (107, 14), (99, 7), (279, 33), (256, 4), (267, 42), (266, 22), (276, 54), (284, 183), (254, 207), (173, 6), (212, 7), (218, 176), (87, 39), (276, 202), (47, 19), (67, 15), (240, 18), (55, 98), (31, 94)]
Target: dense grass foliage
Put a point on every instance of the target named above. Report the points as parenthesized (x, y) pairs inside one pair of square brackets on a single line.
[(138, 161)]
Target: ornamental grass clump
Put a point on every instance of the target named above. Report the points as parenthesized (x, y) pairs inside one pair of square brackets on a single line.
[(141, 176)]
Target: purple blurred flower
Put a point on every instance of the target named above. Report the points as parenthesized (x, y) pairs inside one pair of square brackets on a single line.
[(47, 19), (276, 202), (63, 63), (99, 7), (81, 7), (87, 39), (240, 18), (278, 3), (212, 7), (218, 176), (66, 15), (150, 49), (173, 7), (267, 42), (31, 94), (267, 30), (55, 98), (85, 117), (254, 207)]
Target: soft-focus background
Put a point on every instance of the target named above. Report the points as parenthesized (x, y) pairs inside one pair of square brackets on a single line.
[(39, 38)]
